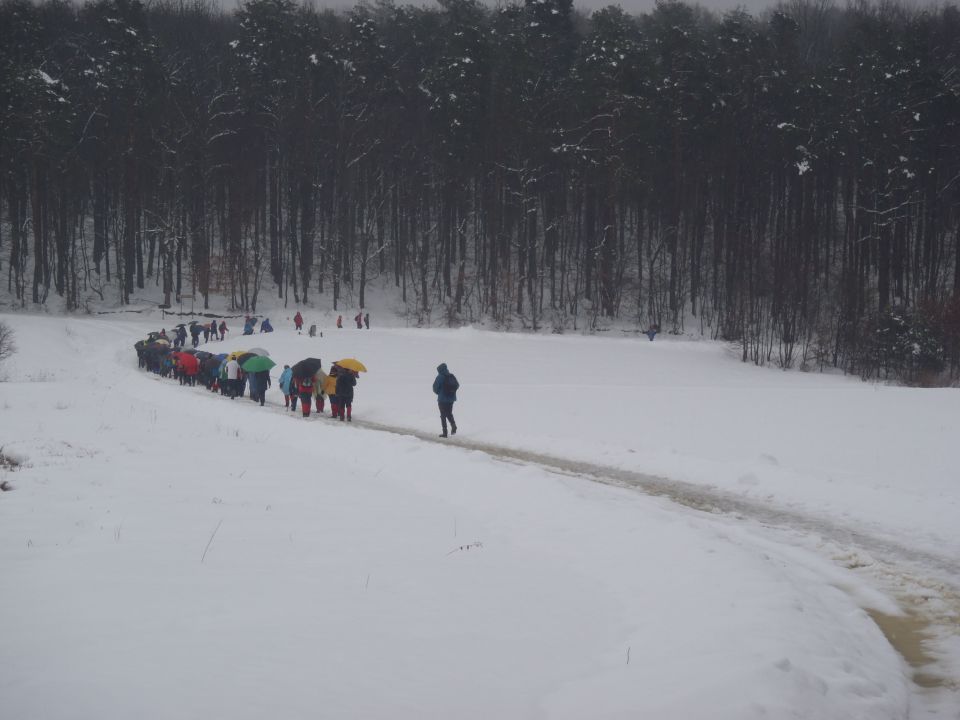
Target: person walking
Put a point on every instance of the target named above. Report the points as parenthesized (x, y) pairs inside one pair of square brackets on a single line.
[(319, 382), (206, 332), (233, 378), (359, 320), (330, 388), (298, 321), (366, 320), (259, 382), (223, 330), (445, 388), (346, 381), (340, 321), (286, 378), (195, 331), (305, 390)]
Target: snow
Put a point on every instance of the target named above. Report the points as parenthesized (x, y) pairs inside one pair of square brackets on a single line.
[(167, 552)]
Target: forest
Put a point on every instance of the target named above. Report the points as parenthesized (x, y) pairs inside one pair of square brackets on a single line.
[(788, 182)]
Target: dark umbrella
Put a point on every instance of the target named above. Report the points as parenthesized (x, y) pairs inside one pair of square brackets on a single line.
[(306, 368), (241, 359), (203, 355), (257, 363), (190, 351), (180, 325)]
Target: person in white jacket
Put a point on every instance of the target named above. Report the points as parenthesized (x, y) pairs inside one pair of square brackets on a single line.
[(233, 378)]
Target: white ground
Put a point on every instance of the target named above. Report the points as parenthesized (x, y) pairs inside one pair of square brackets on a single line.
[(168, 553)]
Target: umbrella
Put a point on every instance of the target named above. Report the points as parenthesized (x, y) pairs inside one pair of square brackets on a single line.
[(235, 354), (352, 364), (180, 325), (306, 368), (203, 355), (257, 363), (161, 341), (190, 351), (259, 351), (221, 356)]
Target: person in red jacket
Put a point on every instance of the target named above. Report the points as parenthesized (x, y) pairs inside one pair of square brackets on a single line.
[(305, 391), (340, 321), (298, 321)]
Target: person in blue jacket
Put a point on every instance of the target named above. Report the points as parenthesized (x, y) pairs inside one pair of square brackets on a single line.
[(289, 397), (265, 326), (249, 325), (445, 388)]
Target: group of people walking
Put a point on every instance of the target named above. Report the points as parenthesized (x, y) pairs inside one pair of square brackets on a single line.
[(337, 386), (305, 382), (209, 331)]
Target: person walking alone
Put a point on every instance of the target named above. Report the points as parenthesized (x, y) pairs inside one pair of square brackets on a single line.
[(445, 388)]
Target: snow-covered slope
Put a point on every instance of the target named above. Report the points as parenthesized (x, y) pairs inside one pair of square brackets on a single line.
[(170, 553)]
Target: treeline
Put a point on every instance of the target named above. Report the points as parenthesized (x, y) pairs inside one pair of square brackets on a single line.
[(789, 182)]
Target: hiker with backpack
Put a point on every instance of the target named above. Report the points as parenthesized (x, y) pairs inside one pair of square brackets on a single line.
[(445, 388), (346, 381)]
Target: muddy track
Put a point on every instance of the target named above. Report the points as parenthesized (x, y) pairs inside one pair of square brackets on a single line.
[(926, 584)]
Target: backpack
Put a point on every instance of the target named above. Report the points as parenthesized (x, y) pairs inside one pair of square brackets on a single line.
[(450, 384)]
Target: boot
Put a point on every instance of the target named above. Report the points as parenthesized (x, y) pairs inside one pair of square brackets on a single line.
[(453, 429)]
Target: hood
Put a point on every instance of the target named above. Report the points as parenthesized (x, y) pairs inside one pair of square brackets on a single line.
[(442, 369)]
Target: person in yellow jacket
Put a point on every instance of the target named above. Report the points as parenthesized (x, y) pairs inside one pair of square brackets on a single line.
[(320, 381), (330, 388)]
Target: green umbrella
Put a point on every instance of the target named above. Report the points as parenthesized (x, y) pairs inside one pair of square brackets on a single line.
[(258, 363)]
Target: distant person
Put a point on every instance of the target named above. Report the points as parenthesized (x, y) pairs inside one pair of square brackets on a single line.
[(346, 381), (195, 331), (340, 321), (366, 320), (213, 330), (206, 332), (313, 331), (265, 326), (445, 388), (233, 378), (298, 321), (359, 320), (286, 380), (652, 331), (223, 329), (163, 333), (249, 325), (180, 338)]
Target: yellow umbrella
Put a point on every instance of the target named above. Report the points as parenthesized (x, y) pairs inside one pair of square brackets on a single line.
[(352, 364), (235, 354)]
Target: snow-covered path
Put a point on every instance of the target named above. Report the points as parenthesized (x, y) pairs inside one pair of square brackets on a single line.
[(171, 553)]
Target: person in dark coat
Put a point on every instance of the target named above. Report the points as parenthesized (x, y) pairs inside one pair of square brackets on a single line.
[(359, 320), (445, 388), (195, 331), (223, 329), (366, 320), (259, 382), (206, 332), (346, 381)]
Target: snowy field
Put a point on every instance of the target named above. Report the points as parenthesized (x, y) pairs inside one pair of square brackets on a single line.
[(168, 553)]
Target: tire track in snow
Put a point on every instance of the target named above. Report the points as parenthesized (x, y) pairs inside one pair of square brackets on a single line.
[(931, 604)]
